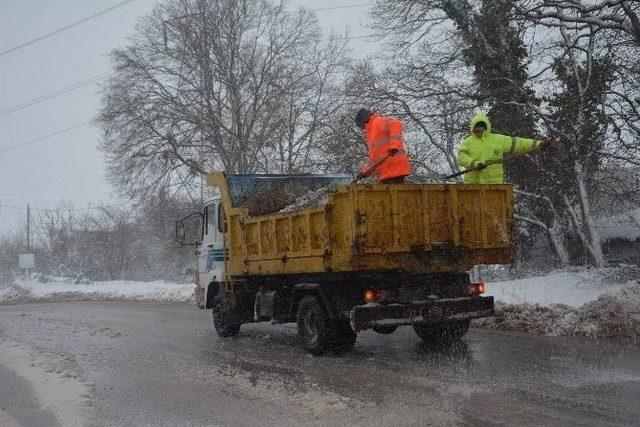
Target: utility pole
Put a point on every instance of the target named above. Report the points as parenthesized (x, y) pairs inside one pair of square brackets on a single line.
[(26, 270), (28, 228)]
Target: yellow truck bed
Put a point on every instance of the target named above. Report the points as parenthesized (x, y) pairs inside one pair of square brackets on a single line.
[(415, 228)]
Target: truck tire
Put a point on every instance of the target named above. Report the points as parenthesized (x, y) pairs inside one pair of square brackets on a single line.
[(343, 338), (386, 330), (224, 317), (318, 334), (313, 326), (446, 333)]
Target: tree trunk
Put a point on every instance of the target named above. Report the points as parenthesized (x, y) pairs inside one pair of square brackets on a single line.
[(595, 243), (556, 237)]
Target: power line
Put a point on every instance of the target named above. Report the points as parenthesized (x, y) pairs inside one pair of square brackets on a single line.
[(94, 79), (342, 7), (41, 138), (119, 5), (66, 27), (339, 38), (54, 94)]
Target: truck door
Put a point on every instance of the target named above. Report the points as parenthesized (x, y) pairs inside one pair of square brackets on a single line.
[(208, 250)]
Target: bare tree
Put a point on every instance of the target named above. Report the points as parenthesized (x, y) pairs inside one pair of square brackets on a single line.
[(236, 85), (551, 223), (621, 16), (55, 236), (616, 24), (594, 119), (106, 240)]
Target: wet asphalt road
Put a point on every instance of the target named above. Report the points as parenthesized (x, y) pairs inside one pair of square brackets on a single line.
[(144, 364)]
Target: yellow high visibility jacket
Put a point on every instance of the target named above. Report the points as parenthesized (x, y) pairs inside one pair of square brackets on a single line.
[(491, 146)]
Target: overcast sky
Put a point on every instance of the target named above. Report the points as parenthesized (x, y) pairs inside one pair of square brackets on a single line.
[(68, 166)]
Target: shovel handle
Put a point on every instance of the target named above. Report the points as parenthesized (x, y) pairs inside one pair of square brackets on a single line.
[(487, 163), (372, 167), (491, 162)]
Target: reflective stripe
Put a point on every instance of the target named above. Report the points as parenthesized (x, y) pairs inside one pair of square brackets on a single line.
[(513, 144), (384, 141)]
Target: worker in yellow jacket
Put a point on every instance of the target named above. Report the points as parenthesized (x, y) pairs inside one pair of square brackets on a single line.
[(483, 151)]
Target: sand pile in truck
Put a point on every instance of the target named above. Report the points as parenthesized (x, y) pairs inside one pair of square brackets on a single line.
[(311, 199), (268, 201), (320, 196)]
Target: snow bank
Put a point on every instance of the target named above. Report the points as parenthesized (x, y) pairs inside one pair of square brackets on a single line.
[(571, 287), (612, 314), (159, 291)]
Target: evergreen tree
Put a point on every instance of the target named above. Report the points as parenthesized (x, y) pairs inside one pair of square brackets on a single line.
[(497, 55), (579, 120)]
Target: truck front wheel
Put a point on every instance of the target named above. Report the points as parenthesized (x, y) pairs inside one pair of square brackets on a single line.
[(446, 333), (319, 334), (224, 317)]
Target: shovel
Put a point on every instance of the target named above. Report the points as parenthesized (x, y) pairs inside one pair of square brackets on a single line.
[(372, 168), (489, 162)]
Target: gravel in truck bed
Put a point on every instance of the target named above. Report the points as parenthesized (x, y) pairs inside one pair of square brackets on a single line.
[(311, 199)]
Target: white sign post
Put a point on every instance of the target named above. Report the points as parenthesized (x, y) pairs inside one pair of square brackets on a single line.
[(27, 262)]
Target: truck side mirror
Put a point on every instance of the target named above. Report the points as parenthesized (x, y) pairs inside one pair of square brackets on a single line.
[(181, 233)]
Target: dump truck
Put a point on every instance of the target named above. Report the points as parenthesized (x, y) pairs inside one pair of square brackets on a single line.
[(364, 256)]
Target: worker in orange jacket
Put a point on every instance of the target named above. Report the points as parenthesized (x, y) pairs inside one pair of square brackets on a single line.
[(387, 156)]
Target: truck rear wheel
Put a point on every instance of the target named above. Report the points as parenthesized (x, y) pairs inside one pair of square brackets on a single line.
[(318, 334), (224, 317), (446, 333), (343, 338), (313, 326)]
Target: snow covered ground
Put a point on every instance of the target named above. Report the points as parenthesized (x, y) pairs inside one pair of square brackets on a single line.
[(159, 291), (571, 287), (597, 303)]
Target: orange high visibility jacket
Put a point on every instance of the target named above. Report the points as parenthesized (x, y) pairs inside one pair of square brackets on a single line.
[(383, 135)]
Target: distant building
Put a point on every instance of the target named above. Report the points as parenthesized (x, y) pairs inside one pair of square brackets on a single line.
[(620, 236)]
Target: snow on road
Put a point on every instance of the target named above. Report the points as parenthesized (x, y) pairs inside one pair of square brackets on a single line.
[(53, 380)]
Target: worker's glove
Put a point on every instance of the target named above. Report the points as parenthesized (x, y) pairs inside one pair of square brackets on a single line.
[(544, 144), (393, 152)]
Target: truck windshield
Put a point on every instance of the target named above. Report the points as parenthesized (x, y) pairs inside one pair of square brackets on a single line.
[(263, 194)]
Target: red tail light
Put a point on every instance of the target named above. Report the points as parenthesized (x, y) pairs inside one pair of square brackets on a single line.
[(475, 288), (371, 295)]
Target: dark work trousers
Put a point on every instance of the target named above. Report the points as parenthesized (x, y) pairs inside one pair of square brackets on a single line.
[(394, 180)]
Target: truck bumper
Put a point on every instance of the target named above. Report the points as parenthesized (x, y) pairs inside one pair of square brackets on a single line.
[(432, 311)]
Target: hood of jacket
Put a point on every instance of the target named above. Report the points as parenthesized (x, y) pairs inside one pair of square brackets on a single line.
[(481, 117)]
